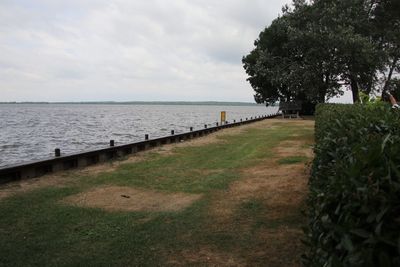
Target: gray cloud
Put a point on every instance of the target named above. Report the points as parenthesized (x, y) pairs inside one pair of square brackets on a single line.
[(128, 49)]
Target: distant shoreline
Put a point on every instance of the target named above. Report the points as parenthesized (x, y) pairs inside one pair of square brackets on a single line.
[(202, 103)]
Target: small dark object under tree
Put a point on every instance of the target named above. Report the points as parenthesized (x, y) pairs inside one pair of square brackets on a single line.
[(290, 109)]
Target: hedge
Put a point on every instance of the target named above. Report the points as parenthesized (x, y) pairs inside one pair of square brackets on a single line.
[(354, 198)]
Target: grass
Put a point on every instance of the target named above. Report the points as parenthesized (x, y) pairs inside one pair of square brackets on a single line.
[(292, 160), (36, 229), (185, 171)]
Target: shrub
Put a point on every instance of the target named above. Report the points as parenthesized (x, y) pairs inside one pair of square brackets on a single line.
[(354, 199)]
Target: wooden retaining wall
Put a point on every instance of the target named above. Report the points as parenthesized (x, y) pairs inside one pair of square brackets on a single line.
[(86, 158)]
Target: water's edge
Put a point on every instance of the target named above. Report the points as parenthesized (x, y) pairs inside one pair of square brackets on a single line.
[(32, 131)]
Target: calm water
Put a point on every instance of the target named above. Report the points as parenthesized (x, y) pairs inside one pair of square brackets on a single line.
[(32, 132)]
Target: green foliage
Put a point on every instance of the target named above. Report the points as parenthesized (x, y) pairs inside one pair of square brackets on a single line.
[(371, 102), (354, 199), (364, 98), (317, 46), (289, 62)]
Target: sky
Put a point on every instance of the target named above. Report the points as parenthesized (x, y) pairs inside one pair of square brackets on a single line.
[(129, 50)]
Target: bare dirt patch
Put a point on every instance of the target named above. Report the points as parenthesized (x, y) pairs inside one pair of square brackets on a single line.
[(206, 256), (65, 178), (280, 247), (275, 185), (282, 191), (7, 190), (118, 198), (293, 148)]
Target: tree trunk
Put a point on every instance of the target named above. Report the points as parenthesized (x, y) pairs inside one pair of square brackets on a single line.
[(389, 78), (322, 95), (354, 90), (324, 90)]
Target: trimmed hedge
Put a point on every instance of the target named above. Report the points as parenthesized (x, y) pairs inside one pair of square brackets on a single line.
[(354, 199)]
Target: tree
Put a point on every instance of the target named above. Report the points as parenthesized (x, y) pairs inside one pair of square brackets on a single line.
[(385, 18), (316, 47), (358, 56), (319, 69), (268, 64), (289, 61)]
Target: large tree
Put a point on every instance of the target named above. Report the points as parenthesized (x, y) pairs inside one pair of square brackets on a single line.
[(348, 24), (385, 18), (288, 63), (317, 47), (269, 64)]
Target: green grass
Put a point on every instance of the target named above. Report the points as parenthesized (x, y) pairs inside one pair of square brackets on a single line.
[(37, 229), (185, 171), (292, 160)]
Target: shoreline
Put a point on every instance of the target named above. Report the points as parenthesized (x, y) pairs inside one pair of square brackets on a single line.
[(82, 159), (232, 198), (179, 103)]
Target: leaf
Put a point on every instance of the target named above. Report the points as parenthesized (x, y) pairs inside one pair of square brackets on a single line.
[(381, 214), (360, 233), (395, 169), (385, 140), (384, 260), (378, 228), (347, 243), (335, 262), (398, 245)]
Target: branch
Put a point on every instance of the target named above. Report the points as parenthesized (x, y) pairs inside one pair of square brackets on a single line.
[(392, 67)]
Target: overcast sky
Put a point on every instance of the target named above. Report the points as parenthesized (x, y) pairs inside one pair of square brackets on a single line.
[(121, 50)]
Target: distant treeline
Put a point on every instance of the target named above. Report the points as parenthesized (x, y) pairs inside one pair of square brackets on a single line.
[(205, 103)]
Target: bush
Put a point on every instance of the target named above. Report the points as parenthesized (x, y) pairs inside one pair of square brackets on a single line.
[(354, 199)]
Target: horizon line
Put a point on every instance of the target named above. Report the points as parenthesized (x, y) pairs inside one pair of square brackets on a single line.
[(129, 102)]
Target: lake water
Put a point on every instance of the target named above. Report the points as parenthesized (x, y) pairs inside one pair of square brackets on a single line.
[(32, 131)]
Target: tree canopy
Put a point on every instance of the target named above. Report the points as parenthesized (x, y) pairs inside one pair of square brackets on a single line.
[(316, 48)]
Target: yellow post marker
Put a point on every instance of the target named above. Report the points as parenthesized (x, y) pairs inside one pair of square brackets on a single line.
[(223, 117)]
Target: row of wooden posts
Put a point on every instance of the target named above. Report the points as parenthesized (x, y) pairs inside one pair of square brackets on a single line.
[(57, 151), (82, 159)]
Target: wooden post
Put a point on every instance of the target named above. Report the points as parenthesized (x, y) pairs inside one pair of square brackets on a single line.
[(223, 117)]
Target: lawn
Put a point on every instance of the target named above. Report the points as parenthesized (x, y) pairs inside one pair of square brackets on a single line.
[(227, 223)]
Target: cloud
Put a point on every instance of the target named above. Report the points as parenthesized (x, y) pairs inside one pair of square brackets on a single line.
[(127, 49)]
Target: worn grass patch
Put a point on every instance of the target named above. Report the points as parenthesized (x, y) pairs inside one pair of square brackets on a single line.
[(38, 228), (119, 198)]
